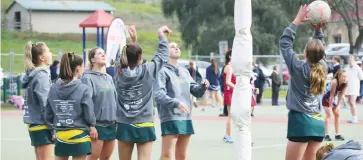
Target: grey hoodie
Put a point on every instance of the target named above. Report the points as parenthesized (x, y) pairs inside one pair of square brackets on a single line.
[(36, 83), (299, 97), (135, 88), (352, 150), (70, 106), (103, 95), (174, 87)]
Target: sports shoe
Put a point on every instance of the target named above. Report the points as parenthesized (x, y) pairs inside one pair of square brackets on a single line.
[(327, 138), (353, 121), (339, 138), (227, 139)]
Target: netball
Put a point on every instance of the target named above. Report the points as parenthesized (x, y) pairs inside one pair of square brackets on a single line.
[(319, 12)]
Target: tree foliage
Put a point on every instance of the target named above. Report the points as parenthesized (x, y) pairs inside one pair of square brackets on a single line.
[(350, 10), (203, 23)]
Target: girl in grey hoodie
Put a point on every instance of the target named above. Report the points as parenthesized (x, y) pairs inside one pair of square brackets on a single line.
[(134, 85), (174, 86), (306, 129), (70, 112), (104, 100), (36, 84)]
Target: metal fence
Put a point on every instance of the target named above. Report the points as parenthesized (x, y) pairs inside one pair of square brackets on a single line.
[(10, 59), (11, 62)]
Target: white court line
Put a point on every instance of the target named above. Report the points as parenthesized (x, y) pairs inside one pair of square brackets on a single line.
[(280, 145)]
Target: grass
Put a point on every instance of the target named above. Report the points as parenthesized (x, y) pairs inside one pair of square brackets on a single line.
[(135, 8), (146, 17), (66, 42), (282, 94)]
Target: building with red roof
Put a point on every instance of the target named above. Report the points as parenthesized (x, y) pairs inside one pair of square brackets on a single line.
[(337, 31)]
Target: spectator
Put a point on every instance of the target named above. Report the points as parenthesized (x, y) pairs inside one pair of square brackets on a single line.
[(259, 82), (196, 77), (111, 69), (276, 83), (212, 75), (355, 75), (336, 64), (54, 70)]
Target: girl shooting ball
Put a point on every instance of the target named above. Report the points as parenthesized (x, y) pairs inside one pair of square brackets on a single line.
[(306, 128)]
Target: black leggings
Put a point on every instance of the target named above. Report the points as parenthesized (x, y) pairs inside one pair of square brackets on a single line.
[(306, 139)]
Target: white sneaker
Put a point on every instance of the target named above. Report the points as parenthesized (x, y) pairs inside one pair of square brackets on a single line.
[(353, 121)]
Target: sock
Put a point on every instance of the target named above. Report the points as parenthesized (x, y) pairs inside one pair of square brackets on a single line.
[(355, 118)]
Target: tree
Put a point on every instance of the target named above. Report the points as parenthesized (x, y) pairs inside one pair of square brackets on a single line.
[(205, 22), (350, 12)]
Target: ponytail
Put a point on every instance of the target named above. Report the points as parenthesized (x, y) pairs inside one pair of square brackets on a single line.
[(123, 59), (32, 52), (322, 150), (28, 58), (68, 65), (317, 79), (130, 56)]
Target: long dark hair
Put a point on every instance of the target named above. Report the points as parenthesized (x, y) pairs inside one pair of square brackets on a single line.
[(130, 56), (228, 56), (68, 65), (215, 66)]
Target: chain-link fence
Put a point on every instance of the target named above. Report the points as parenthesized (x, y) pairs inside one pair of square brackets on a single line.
[(268, 62)]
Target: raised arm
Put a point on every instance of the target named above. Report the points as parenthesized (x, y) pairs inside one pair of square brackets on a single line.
[(161, 96), (286, 47), (162, 53)]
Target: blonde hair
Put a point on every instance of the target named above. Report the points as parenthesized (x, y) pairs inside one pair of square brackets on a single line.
[(32, 52), (314, 53), (323, 150)]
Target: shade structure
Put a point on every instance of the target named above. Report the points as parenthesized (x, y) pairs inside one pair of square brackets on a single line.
[(98, 19)]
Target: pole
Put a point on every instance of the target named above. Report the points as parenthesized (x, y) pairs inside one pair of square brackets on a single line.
[(11, 54), (98, 37), (59, 54), (102, 39), (84, 43)]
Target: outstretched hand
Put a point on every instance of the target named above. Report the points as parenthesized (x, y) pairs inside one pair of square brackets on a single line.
[(319, 26), (301, 16), (132, 32), (164, 29)]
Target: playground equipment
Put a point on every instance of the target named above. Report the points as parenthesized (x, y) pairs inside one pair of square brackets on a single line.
[(98, 19)]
